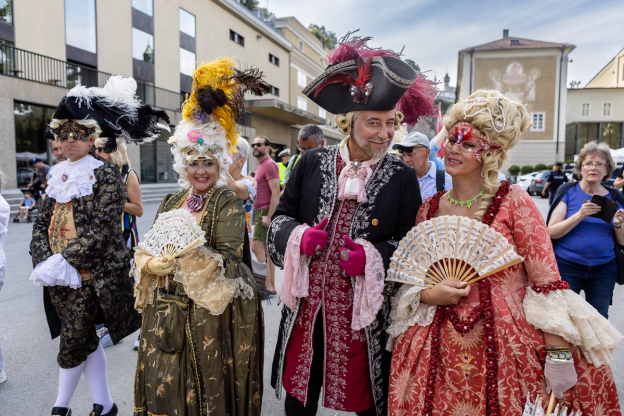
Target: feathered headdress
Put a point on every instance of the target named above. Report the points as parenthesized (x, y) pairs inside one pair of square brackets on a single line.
[(363, 78), (117, 111)]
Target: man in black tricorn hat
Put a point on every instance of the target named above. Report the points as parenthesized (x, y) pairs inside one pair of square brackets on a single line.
[(340, 218), (78, 250)]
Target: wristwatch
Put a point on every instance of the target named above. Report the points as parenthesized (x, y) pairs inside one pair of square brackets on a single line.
[(621, 225)]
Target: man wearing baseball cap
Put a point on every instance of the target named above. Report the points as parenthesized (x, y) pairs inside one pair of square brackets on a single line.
[(415, 151), (284, 157), (556, 178)]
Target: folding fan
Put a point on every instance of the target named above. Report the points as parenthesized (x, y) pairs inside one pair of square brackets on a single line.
[(172, 234), (450, 248)]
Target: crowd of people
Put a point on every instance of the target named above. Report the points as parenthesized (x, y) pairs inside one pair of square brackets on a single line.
[(356, 334)]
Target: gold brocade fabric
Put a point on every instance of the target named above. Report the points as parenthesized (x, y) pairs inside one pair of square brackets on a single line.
[(62, 230), (202, 339)]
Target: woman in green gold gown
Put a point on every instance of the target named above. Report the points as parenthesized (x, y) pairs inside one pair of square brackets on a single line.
[(201, 346)]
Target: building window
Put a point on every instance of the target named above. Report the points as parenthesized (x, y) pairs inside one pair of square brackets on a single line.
[(301, 47), (321, 61), (6, 12), (515, 42), (31, 122), (187, 62), (80, 29), (237, 38), (145, 6), (187, 23), (302, 104), (142, 46), (538, 122), (585, 110), (302, 80), (322, 112), (275, 91), (606, 109), (273, 59)]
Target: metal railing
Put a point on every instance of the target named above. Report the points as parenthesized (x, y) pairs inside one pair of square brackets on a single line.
[(32, 66)]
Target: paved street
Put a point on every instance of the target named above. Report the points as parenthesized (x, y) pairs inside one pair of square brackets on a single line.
[(30, 355)]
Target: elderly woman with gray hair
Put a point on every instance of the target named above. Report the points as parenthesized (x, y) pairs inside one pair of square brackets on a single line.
[(243, 186), (584, 245)]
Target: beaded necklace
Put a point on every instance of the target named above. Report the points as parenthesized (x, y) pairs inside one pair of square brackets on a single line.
[(467, 203)]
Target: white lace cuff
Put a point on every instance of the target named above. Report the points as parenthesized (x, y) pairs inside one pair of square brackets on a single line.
[(407, 311), (296, 278), (56, 271), (562, 312), (368, 290)]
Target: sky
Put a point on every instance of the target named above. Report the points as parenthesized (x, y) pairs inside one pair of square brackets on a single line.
[(433, 32)]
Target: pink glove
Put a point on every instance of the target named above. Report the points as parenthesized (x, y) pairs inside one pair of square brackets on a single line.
[(353, 261), (560, 376), (314, 237)]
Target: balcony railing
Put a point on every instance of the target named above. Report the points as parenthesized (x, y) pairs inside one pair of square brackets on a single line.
[(31, 66)]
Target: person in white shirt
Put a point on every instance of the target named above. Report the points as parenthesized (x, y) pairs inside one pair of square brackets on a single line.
[(415, 151), (5, 212)]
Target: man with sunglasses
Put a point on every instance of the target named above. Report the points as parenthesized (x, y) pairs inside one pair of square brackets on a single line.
[(415, 150)]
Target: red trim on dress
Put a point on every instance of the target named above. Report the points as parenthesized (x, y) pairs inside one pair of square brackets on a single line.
[(558, 285), (484, 311)]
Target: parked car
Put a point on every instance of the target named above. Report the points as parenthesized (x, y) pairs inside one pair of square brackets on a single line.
[(23, 176), (525, 181), (538, 183), (616, 172)]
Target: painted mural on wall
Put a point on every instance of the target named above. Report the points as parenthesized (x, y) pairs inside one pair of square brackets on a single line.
[(516, 82)]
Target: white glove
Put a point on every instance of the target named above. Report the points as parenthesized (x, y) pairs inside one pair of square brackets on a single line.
[(560, 376)]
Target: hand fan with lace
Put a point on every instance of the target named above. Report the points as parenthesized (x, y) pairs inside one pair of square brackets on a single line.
[(172, 234), (450, 248)]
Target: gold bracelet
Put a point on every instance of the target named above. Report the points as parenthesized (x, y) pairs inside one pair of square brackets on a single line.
[(428, 290)]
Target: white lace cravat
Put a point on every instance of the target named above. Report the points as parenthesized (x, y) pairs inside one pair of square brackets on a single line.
[(73, 179)]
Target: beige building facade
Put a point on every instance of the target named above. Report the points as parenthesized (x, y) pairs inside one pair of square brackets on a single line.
[(47, 47), (596, 112), (534, 72)]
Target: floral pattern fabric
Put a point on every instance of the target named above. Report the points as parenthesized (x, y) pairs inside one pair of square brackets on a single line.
[(202, 353), (248, 204), (520, 351)]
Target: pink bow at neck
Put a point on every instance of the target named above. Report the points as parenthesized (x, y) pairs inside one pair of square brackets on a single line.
[(346, 185)]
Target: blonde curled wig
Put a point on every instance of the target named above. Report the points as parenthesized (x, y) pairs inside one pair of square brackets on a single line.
[(502, 120), (345, 121), (119, 156)]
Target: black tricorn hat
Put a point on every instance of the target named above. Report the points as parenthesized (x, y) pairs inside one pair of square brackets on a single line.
[(117, 111), (360, 78)]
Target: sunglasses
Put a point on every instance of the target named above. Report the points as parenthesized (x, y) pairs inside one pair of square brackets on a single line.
[(257, 144), (99, 149)]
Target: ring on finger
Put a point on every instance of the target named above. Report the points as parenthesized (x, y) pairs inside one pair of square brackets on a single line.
[(317, 250), (344, 255)]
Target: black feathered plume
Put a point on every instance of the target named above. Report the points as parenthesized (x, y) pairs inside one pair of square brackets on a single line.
[(248, 80)]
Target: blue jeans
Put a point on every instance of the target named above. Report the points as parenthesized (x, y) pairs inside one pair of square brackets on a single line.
[(597, 282)]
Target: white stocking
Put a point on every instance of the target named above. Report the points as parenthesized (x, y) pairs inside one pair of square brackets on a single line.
[(95, 373), (68, 381)]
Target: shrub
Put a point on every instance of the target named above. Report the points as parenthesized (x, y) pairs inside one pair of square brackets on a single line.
[(550, 167), (526, 169), (514, 170), (540, 166)]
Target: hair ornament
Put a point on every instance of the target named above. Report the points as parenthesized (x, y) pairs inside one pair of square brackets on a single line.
[(497, 124)]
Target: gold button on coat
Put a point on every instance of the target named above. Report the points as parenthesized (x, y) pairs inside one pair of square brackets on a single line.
[(375, 222)]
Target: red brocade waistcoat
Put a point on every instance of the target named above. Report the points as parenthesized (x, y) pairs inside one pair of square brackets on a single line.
[(346, 378)]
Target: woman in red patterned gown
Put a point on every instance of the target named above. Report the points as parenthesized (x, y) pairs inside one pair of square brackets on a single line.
[(482, 350)]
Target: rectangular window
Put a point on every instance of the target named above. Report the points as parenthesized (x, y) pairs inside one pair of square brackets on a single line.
[(145, 6), (187, 22), (80, 29), (6, 12), (273, 59), (236, 38), (275, 91), (301, 47), (142, 46), (302, 104), (606, 109), (322, 112), (538, 122), (321, 61), (302, 80), (585, 110), (31, 122), (187, 62)]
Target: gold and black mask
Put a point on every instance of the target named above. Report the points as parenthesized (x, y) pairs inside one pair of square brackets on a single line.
[(72, 130)]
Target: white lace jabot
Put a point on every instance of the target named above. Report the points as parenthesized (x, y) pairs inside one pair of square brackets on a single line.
[(73, 179)]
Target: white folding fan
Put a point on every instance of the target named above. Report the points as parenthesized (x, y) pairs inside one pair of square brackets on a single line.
[(450, 248), (173, 234)]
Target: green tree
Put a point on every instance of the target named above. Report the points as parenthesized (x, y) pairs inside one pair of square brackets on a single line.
[(250, 4), (326, 37), (526, 169), (514, 170), (540, 166), (266, 12), (413, 64)]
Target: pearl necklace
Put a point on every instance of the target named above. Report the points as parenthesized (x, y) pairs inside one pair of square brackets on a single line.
[(467, 203)]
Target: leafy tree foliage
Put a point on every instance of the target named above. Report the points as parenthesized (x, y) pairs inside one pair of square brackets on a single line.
[(327, 37)]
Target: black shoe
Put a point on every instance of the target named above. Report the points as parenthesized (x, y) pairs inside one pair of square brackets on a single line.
[(28, 219), (16, 219), (98, 409), (61, 411)]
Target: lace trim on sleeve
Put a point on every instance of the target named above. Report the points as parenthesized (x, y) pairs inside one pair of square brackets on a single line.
[(296, 278), (368, 291), (56, 271), (562, 312), (202, 273), (407, 311), (145, 283)]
